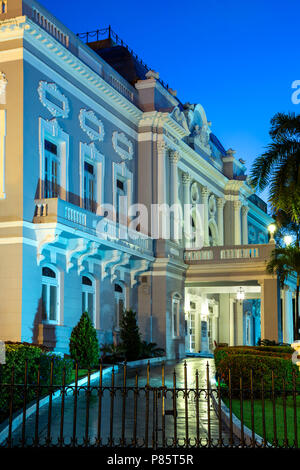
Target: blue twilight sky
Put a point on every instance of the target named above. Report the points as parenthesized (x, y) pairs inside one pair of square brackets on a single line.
[(238, 58)]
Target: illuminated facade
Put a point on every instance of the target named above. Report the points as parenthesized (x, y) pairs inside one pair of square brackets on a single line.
[(78, 131)]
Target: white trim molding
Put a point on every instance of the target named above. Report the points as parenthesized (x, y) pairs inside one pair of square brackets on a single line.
[(120, 138), (52, 130), (121, 171), (97, 131), (45, 238), (3, 85), (137, 268), (46, 91), (90, 154), (91, 250), (23, 27), (2, 152)]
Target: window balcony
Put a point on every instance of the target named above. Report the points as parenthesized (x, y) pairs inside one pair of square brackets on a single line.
[(229, 254), (71, 218)]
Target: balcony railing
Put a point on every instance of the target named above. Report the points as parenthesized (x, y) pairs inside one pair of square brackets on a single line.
[(229, 254), (59, 211)]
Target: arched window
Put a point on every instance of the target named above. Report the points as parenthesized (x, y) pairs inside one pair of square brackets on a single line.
[(120, 302), (213, 233), (176, 315), (50, 295), (88, 297)]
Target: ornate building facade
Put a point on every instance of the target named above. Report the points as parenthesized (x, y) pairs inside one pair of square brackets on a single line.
[(83, 126)]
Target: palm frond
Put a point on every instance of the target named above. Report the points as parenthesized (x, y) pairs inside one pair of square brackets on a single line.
[(287, 124)]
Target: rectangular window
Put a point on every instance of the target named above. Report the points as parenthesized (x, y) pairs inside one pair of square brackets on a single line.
[(4, 6), (88, 304), (49, 303), (44, 302), (53, 303), (121, 215), (89, 187), (52, 170), (176, 317)]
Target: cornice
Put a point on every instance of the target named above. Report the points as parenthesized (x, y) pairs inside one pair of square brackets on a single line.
[(22, 27), (153, 83), (257, 213)]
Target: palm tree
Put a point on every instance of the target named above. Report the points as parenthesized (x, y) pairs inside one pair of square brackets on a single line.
[(285, 262), (286, 226), (279, 166)]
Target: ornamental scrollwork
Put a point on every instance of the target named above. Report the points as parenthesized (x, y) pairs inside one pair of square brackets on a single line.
[(91, 125), (125, 150), (59, 105)]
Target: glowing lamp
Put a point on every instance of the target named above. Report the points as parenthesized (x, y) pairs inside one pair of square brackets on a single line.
[(240, 295), (272, 229), (288, 240)]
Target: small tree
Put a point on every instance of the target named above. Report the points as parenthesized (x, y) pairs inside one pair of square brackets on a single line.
[(130, 336), (84, 346)]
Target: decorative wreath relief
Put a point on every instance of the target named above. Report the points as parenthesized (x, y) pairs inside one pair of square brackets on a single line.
[(122, 145), (53, 99), (90, 124)]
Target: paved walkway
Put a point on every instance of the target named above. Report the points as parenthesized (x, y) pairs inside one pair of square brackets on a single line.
[(155, 413)]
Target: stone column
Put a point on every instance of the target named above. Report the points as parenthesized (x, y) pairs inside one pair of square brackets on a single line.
[(237, 222), (220, 215), (161, 172), (239, 323), (174, 158), (186, 179), (269, 309), (245, 210), (231, 322), (288, 333), (204, 194)]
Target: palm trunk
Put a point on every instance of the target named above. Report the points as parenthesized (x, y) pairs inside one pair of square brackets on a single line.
[(296, 335)]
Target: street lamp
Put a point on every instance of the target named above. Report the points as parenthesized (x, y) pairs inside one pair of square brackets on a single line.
[(272, 229), (288, 240)]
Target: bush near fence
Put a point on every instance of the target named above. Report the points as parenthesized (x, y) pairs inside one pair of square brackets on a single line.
[(16, 356), (240, 362), (284, 352)]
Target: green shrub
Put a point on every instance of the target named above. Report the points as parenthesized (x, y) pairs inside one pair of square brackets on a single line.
[(262, 366), (130, 336), (280, 349), (149, 350), (16, 356), (84, 346), (112, 354), (283, 352)]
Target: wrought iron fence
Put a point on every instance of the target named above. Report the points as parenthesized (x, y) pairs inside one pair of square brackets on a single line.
[(124, 413)]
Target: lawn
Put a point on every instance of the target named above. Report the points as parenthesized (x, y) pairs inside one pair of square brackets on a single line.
[(289, 436), (81, 373)]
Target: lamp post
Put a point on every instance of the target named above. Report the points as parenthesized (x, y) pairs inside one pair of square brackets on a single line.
[(272, 229)]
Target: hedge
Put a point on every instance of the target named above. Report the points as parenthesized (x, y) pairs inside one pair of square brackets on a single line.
[(265, 351), (16, 355), (262, 367)]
